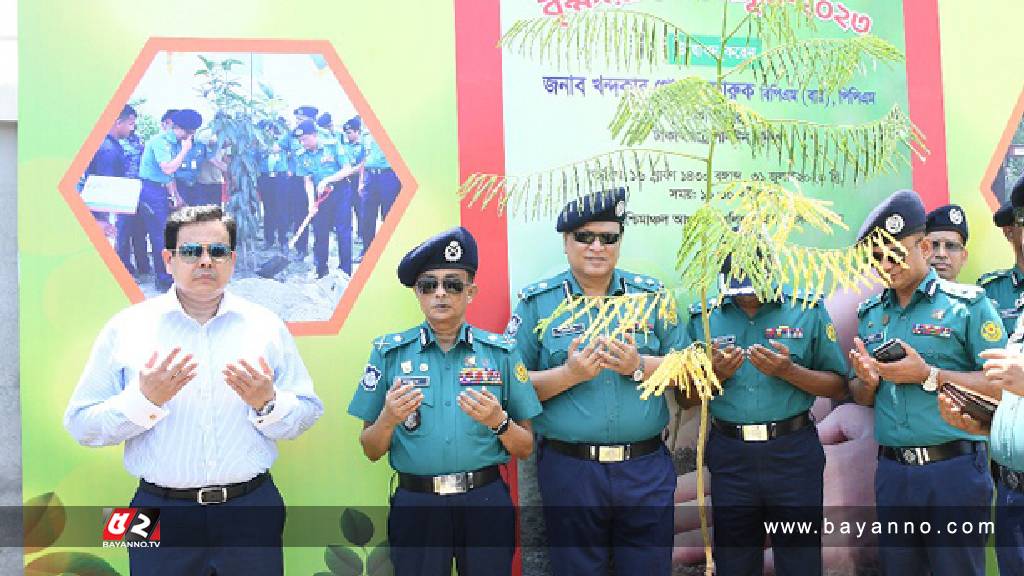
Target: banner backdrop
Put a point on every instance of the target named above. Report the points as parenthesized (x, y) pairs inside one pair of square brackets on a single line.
[(442, 102)]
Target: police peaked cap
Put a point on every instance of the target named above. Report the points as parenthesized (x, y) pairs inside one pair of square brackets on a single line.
[(901, 215), (604, 206), (454, 248), (188, 119), (947, 218)]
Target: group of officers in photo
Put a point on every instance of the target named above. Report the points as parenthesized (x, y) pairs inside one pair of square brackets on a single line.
[(199, 385), (339, 175)]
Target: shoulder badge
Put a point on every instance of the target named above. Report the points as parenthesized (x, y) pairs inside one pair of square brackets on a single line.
[(988, 277), (868, 304), (965, 291)]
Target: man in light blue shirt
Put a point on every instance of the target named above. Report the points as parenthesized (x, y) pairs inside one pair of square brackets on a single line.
[(199, 385)]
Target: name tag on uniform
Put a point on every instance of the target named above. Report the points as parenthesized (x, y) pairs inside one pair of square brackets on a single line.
[(567, 330), (417, 381), (784, 332), (640, 327), (479, 377), (872, 338), (723, 341), (932, 330)]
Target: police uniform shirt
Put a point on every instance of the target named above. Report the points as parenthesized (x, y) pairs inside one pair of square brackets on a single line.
[(949, 325), (439, 438), (607, 409), (1006, 289), (160, 149), (355, 150), (188, 173), (326, 159), (375, 157), (751, 396), (290, 147)]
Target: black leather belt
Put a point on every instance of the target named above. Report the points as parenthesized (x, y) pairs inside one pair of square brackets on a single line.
[(763, 432), (1013, 479), (209, 494), (606, 453), (445, 484), (379, 170), (921, 455)]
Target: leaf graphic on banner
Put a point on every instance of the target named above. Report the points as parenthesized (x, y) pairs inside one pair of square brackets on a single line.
[(72, 563), (356, 527), (44, 519), (378, 563), (343, 561)]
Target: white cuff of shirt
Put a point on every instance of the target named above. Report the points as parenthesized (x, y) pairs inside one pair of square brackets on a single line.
[(137, 408), (284, 401)]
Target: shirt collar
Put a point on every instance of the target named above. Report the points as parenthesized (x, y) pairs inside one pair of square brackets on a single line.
[(617, 286), (427, 336), (168, 303), (928, 287)]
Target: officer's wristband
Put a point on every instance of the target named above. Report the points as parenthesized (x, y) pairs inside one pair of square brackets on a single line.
[(503, 427)]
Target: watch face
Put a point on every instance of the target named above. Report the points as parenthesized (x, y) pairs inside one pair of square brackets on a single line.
[(638, 376)]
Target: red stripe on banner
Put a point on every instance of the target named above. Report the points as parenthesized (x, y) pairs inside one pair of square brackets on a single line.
[(925, 98), (478, 91)]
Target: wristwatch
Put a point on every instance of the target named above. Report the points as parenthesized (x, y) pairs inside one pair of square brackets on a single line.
[(267, 408), (638, 374), (932, 382), (503, 427)]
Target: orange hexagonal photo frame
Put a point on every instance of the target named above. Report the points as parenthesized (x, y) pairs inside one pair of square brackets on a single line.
[(251, 154), (1007, 160)]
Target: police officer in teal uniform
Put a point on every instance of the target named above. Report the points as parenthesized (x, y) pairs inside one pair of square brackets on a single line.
[(186, 178), (605, 476), (764, 455), (379, 187), (925, 466), (946, 228), (448, 403), (295, 197), (273, 186), (321, 162), (1004, 369), (353, 143), (345, 190), (164, 155), (1006, 287)]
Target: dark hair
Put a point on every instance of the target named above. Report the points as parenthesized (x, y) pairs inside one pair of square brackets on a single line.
[(191, 215), (127, 112), (168, 115)]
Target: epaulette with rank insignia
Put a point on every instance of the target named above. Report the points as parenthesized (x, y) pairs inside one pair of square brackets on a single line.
[(803, 299), (492, 339), (641, 282), (868, 304), (539, 288), (993, 275), (968, 292), (390, 342)]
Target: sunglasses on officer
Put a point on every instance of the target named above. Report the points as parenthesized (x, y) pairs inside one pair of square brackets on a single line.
[(191, 252), (586, 237), (950, 246), (428, 285)]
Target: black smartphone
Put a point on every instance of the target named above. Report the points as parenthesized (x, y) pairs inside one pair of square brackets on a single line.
[(889, 351), (977, 406)]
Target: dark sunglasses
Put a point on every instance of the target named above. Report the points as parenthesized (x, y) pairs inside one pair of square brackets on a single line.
[(193, 251), (587, 237), (429, 285), (948, 245)]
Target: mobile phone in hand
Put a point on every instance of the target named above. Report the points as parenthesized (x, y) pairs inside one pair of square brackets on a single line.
[(889, 351)]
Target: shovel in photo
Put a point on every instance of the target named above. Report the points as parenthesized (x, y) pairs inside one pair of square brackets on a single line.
[(279, 262)]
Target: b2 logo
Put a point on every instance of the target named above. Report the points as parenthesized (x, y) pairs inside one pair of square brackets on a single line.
[(132, 525)]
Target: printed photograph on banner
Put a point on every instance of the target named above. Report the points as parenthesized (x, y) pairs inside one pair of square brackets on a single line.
[(574, 114), (1008, 159), (272, 138)]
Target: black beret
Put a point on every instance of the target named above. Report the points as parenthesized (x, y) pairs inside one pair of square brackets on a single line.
[(949, 217), (604, 206), (1003, 216), (735, 287), (353, 123), (169, 115), (307, 111), (454, 248), (188, 119), (901, 215), (324, 120), (305, 127)]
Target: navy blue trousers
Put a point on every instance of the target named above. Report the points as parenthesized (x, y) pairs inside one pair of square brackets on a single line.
[(957, 490), (131, 241), (241, 537), (323, 225), (379, 195), (757, 482), (478, 529), (346, 191), (598, 513), (298, 207), (1009, 530), (276, 218), (154, 207)]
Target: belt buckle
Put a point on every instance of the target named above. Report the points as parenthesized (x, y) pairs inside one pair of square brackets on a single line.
[(611, 454), (754, 432), (221, 490), (450, 484), (273, 174)]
